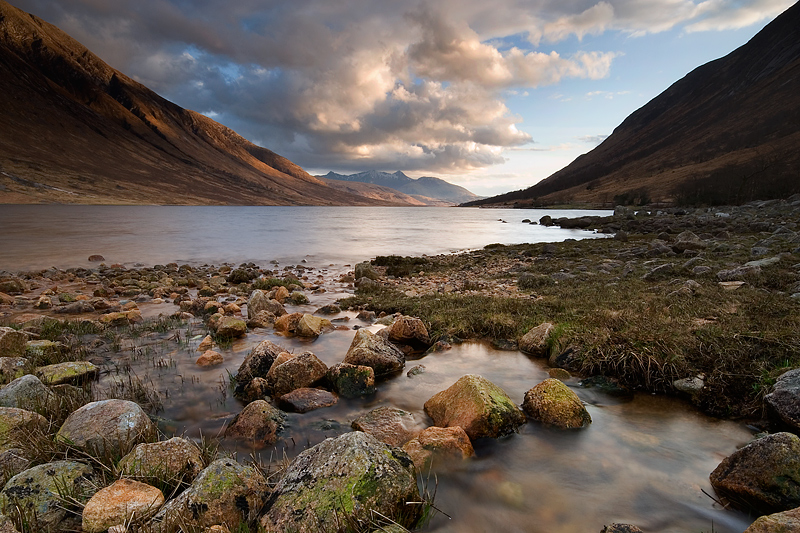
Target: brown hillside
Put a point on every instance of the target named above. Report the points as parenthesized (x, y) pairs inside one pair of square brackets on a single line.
[(728, 132), (74, 130)]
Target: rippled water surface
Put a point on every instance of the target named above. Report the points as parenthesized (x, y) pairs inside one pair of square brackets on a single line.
[(644, 460)]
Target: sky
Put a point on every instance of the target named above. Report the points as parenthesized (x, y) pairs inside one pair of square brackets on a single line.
[(491, 95)]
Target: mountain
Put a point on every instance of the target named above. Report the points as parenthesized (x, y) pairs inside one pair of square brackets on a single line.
[(386, 195), (727, 133), (74, 130), (431, 191)]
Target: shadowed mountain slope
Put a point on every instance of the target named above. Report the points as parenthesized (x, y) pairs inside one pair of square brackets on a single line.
[(428, 190), (727, 133), (74, 130)]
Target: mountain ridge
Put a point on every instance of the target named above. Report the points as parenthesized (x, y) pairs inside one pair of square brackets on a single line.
[(727, 132), (429, 190), (76, 130)]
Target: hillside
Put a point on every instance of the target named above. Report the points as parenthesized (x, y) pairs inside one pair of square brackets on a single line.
[(428, 190), (727, 133), (74, 130)]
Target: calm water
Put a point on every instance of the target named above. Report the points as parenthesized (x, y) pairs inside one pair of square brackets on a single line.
[(42, 236), (645, 460)]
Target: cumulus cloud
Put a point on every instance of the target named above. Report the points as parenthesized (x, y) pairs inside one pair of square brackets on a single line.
[(356, 84)]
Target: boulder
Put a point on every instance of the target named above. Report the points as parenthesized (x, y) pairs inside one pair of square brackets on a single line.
[(12, 286), (107, 427), (764, 475), (42, 350), (206, 344), (553, 403), (298, 372), (258, 423), (368, 349), (176, 460), (256, 364), (210, 358), (410, 331), (739, 273), (388, 424), (478, 406), (354, 476), (119, 504), (26, 392), (330, 309), (230, 327), (38, 491), (256, 389), (621, 528), (12, 342), (288, 323), (263, 319), (225, 494), (688, 241), (258, 301), (76, 372), (439, 443), (305, 399), (352, 381), (785, 522), (534, 342), (12, 367), (16, 423), (281, 293), (12, 462), (312, 326), (365, 270), (784, 400), (298, 298)]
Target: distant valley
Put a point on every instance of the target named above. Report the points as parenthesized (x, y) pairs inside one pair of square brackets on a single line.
[(424, 191)]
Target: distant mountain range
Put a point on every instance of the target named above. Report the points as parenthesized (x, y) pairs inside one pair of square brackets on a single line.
[(427, 190), (727, 133), (75, 130)]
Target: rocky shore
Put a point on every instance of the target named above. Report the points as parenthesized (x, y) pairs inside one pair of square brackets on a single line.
[(698, 303)]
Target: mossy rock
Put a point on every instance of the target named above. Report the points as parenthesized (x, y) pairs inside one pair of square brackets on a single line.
[(38, 491), (476, 404), (15, 422), (553, 403), (344, 479), (69, 372)]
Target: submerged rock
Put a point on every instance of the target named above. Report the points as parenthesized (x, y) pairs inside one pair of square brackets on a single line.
[(478, 406), (388, 424), (764, 475), (306, 399), (352, 476), (439, 443), (555, 404)]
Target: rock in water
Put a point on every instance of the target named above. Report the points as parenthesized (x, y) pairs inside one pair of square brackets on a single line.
[(298, 372), (258, 423), (347, 478), (443, 443), (38, 491), (312, 326), (119, 503), (368, 349), (555, 404), (256, 365), (535, 341), (352, 381), (785, 522), (388, 424), (764, 475), (478, 406), (107, 426), (411, 331), (226, 493), (305, 399), (784, 399)]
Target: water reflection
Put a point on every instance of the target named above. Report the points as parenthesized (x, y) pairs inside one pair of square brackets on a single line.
[(644, 460)]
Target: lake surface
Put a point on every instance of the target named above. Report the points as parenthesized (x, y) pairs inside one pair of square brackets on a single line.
[(41, 236), (644, 460)]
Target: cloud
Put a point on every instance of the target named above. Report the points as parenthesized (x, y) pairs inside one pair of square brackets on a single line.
[(593, 139), (357, 84)]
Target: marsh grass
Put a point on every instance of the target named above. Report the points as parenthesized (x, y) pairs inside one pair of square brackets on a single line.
[(645, 333)]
